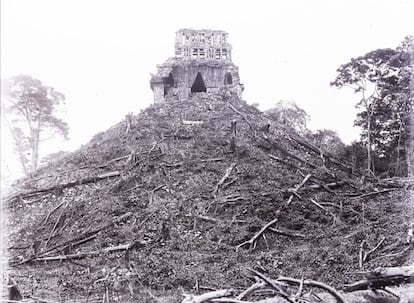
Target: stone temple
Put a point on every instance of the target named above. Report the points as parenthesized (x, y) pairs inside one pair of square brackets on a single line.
[(201, 65)]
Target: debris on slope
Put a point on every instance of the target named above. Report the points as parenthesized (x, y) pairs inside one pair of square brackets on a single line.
[(186, 195), (284, 289)]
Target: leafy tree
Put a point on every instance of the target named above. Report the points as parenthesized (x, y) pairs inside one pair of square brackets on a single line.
[(290, 115), (382, 79), (327, 140), (31, 109)]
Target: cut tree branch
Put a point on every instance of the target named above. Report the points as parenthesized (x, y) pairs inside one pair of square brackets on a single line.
[(224, 178), (208, 296), (68, 185), (252, 241)]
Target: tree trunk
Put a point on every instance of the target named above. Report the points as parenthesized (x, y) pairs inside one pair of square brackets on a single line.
[(369, 143), (35, 146), (398, 170)]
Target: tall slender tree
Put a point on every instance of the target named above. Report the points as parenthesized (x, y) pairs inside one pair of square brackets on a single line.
[(382, 80), (31, 109)]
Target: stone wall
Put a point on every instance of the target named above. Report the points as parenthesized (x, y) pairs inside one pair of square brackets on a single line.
[(202, 64), (178, 81), (202, 44)]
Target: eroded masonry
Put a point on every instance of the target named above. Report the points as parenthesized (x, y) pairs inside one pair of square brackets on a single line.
[(201, 65)]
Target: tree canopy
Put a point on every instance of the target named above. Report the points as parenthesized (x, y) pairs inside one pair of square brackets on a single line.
[(31, 111), (290, 115), (382, 79)]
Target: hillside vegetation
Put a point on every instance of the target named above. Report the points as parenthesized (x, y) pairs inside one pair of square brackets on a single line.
[(175, 200)]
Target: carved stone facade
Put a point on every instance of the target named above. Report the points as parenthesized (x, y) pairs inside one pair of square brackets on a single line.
[(202, 65)]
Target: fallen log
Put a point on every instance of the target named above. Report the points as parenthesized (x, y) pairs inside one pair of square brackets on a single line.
[(82, 255), (241, 114), (208, 296), (374, 193), (84, 237), (253, 240), (382, 277), (288, 153), (294, 192), (332, 185), (328, 187), (67, 185), (320, 292), (315, 284), (316, 150)]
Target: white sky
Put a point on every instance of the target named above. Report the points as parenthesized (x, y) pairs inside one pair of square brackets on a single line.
[(100, 53)]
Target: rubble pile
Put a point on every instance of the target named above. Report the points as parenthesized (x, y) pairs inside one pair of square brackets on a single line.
[(185, 196)]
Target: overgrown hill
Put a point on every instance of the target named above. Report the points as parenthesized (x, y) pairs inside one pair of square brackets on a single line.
[(166, 200)]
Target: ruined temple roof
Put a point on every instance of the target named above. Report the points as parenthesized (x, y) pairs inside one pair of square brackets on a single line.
[(201, 30)]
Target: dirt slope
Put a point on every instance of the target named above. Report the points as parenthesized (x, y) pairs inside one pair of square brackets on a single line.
[(160, 202)]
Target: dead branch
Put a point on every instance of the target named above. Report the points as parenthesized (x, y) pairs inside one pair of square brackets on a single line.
[(382, 277), (57, 175), (240, 114), (339, 162), (288, 233), (374, 193), (250, 290), (44, 221), (85, 237), (318, 205), (316, 284), (330, 186), (274, 284), (177, 164), (58, 221), (368, 253), (252, 241), (208, 296), (228, 199), (113, 161), (294, 192), (300, 290), (287, 153), (82, 255), (287, 163), (224, 178), (68, 185), (392, 255), (362, 248)]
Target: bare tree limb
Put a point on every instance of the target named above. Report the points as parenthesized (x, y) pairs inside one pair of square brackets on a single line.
[(317, 284), (252, 241), (208, 296), (224, 178)]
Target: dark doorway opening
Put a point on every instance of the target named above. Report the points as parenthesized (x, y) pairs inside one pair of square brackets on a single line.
[(198, 85), (228, 79), (168, 82)]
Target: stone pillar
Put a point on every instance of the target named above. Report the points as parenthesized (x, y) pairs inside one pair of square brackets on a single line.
[(158, 89), (182, 91)]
